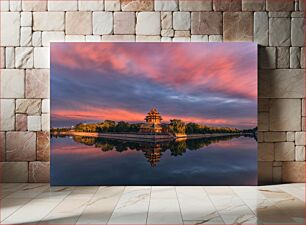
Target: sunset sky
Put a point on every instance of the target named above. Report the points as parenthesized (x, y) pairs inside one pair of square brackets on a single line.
[(208, 83)]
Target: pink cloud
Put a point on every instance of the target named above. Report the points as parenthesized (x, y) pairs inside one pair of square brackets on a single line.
[(116, 114), (175, 65)]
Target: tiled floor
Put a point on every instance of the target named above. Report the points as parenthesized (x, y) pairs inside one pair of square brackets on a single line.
[(38, 203)]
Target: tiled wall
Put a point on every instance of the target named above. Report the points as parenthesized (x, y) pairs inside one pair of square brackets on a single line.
[(27, 28)]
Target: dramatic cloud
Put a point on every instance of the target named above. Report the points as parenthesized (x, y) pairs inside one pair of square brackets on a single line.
[(209, 83)]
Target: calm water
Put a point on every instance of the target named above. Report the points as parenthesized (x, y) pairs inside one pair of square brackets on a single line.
[(100, 161)]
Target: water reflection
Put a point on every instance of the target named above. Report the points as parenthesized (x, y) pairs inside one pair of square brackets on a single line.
[(152, 151), (100, 161)]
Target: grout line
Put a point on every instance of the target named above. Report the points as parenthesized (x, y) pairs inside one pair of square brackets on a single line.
[(179, 204), (55, 206), (217, 211), (88, 201), (116, 204), (149, 205)]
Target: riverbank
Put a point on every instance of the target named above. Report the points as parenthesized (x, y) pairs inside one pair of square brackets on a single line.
[(143, 137)]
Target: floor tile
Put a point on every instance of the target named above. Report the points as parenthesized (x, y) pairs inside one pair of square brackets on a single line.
[(195, 204), (32, 212), (100, 208), (132, 207)]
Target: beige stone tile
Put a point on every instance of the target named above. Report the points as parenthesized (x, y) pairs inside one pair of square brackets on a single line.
[(12, 83), (290, 136), (295, 57), (39, 172), (264, 173), (283, 57), (102, 22), (166, 20), (167, 33), (28, 106), (238, 26), (37, 84), (300, 138), (10, 57), (75, 38), (197, 5), (263, 121), (297, 32), (226, 5), (124, 22), (279, 14), (15, 6), (273, 5), (284, 151), (24, 57), (25, 36), (45, 106), (143, 38), (21, 122), (277, 174), (41, 57), (34, 5), (37, 39), (182, 33), (20, 146), (26, 19), (267, 57), (45, 122), (279, 32), (93, 38), (199, 38), (166, 39), (215, 38), (78, 23), (285, 115), (91, 5), (58, 5), (52, 36), (299, 153), (112, 5), (148, 23), (261, 28), (281, 83), (181, 21), (263, 105), (260, 136), (293, 172), (7, 114), (5, 6), (14, 171), (181, 39), (137, 5), (253, 5), (274, 136), (43, 146), (34, 123), (48, 21), (206, 23), (170, 5), (119, 38), (265, 152), (10, 29)]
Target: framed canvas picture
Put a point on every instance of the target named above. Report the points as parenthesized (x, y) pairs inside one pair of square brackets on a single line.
[(153, 114)]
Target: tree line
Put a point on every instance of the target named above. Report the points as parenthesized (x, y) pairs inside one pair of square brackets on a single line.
[(175, 126)]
